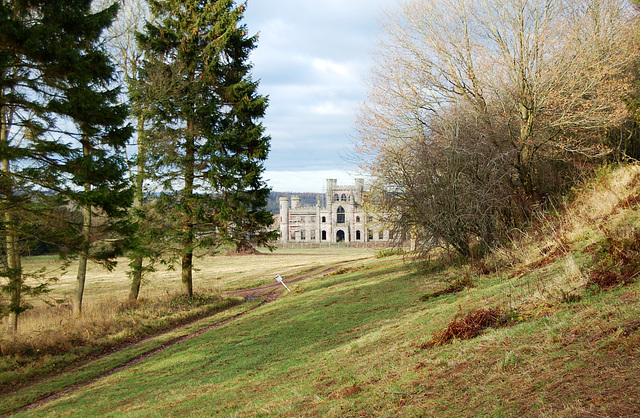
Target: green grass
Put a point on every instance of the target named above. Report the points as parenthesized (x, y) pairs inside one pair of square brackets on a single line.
[(348, 345), (107, 363)]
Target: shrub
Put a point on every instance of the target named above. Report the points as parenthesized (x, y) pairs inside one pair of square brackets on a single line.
[(616, 258)]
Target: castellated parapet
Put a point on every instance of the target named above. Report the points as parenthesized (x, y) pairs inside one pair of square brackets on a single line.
[(342, 218)]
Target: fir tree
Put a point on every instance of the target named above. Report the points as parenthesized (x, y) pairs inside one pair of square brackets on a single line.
[(60, 125), (207, 145)]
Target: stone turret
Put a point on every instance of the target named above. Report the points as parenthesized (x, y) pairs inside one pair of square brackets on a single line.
[(284, 219), (358, 191), (332, 184)]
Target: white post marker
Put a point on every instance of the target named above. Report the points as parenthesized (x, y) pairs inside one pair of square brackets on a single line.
[(279, 279)]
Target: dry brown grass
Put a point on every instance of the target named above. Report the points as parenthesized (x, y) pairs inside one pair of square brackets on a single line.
[(556, 257), (470, 325)]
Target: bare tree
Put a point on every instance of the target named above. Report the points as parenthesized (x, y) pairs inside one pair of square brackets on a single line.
[(494, 95)]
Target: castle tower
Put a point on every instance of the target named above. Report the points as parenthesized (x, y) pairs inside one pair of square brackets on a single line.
[(284, 219), (332, 184), (358, 191)]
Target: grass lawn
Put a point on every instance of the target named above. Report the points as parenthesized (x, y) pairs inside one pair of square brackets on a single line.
[(106, 290), (349, 345), (221, 272)]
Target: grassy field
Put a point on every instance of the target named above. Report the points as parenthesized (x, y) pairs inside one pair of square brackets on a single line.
[(350, 345), (107, 290), (566, 340), (220, 272), (50, 339)]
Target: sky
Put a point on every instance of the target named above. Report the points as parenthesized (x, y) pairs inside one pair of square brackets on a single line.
[(312, 59)]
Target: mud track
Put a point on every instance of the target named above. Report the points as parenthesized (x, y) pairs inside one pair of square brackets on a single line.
[(269, 293)]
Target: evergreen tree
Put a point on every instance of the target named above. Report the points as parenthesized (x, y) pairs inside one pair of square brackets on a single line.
[(126, 53), (207, 145), (60, 124)]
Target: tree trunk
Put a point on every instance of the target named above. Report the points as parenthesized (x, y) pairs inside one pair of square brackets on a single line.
[(136, 277), (15, 273), (136, 258), (84, 252), (187, 279), (82, 261), (187, 227), (12, 251)]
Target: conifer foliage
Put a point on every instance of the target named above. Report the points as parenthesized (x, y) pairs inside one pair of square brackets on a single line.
[(206, 143), (60, 125)]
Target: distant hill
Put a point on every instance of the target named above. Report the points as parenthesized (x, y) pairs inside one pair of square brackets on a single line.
[(306, 199)]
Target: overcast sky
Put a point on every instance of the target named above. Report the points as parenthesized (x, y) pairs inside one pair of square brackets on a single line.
[(312, 60)]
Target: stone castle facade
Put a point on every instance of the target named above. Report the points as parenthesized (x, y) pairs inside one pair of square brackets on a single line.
[(342, 218)]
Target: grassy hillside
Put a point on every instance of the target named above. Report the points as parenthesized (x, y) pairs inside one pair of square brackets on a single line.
[(557, 313)]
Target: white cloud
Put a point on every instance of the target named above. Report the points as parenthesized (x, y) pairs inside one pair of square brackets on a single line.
[(311, 60), (307, 181), (333, 69)]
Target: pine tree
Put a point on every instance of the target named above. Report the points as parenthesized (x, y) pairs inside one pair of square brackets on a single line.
[(207, 145), (60, 125)]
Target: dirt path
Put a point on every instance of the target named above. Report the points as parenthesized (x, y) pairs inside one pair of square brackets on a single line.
[(269, 292), (272, 290)]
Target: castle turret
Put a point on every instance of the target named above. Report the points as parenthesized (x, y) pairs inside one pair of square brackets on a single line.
[(284, 219), (332, 184), (358, 191)]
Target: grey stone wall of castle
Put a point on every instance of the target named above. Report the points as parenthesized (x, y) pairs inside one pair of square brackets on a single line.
[(342, 219)]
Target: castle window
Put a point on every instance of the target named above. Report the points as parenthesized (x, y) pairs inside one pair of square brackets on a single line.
[(344, 197), (358, 237), (301, 235), (324, 235), (340, 218), (357, 219), (324, 219), (381, 235), (369, 234), (336, 197)]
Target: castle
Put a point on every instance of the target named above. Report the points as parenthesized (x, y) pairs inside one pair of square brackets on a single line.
[(342, 219)]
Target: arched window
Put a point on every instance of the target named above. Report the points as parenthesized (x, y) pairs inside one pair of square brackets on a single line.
[(324, 219), (358, 235), (344, 197), (324, 235), (336, 197), (340, 213)]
